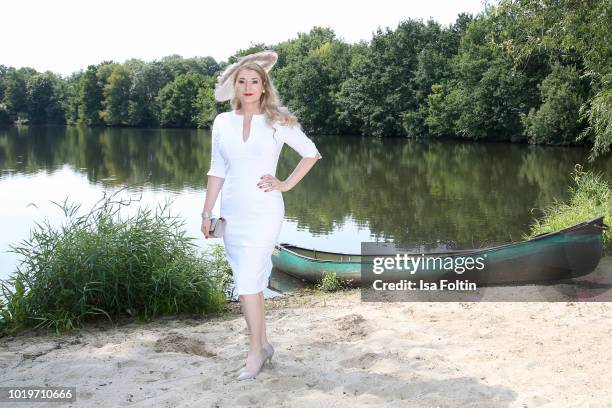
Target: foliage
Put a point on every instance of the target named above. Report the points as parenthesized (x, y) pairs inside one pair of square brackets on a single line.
[(14, 90), (311, 71), (116, 93), (591, 196), (521, 70), (101, 264), (331, 283), (599, 116), (90, 97), (42, 101), (204, 105), (390, 79), (557, 119), (574, 33), (178, 101), (220, 270)]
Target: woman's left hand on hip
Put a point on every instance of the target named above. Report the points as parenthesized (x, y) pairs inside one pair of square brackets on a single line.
[(270, 183)]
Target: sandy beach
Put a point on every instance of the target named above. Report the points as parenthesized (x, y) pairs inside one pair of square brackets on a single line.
[(332, 349)]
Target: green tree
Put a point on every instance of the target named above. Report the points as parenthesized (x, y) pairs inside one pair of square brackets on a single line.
[(178, 107), (598, 113), (433, 67), (205, 104), (3, 71), (15, 94), (383, 91), (43, 103), (315, 65), (573, 32), (90, 97), (147, 80), (69, 97), (484, 94), (442, 111), (557, 119), (117, 97)]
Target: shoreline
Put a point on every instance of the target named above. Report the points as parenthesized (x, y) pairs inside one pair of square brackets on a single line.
[(332, 348)]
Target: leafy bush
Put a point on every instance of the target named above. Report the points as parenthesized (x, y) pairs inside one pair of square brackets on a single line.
[(331, 283), (100, 264)]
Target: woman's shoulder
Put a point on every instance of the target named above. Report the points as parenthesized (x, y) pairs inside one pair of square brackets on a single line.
[(221, 117), (224, 115), (287, 124)]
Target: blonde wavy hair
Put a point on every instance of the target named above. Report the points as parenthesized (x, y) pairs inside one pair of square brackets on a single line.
[(269, 101)]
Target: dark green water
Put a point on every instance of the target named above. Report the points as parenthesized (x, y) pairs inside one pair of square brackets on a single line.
[(363, 189)]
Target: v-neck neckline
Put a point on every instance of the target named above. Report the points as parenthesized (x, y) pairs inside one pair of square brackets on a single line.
[(250, 125), (242, 133)]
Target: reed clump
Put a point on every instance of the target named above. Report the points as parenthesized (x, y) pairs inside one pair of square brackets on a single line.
[(591, 196), (104, 265)]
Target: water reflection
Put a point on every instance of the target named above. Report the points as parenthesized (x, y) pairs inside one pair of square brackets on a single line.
[(363, 189)]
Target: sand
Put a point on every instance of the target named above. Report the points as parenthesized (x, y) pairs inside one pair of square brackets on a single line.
[(335, 350)]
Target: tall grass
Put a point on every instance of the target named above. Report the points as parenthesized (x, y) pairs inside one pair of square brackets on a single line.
[(102, 264), (591, 196)]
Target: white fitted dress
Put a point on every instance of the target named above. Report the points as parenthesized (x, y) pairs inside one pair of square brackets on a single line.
[(254, 217)]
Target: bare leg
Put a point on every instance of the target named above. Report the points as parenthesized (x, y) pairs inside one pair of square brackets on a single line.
[(264, 337), (252, 307)]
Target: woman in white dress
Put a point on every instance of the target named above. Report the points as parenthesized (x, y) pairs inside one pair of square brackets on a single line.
[(246, 144)]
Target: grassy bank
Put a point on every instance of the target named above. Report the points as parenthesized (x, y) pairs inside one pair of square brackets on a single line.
[(104, 265), (591, 196)]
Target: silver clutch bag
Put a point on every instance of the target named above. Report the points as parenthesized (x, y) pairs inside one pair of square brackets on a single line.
[(217, 227)]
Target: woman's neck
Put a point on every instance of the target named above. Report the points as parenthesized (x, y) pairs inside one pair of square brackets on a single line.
[(250, 109)]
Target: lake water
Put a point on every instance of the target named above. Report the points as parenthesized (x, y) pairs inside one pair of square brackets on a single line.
[(364, 189)]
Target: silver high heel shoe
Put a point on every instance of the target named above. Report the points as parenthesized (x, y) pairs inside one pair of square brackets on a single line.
[(269, 352), (245, 375)]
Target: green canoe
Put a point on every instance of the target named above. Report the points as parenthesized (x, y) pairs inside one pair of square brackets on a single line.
[(572, 252)]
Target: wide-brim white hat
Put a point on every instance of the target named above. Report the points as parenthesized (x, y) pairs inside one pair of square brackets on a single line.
[(225, 86)]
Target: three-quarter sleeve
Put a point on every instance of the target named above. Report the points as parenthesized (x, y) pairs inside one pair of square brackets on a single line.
[(298, 141), (217, 162)]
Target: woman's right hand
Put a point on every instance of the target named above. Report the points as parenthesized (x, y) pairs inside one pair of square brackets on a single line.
[(205, 228)]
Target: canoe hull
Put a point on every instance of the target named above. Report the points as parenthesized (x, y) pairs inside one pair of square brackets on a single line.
[(566, 254)]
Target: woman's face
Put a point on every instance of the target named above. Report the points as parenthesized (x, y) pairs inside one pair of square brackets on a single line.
[(248, 86)]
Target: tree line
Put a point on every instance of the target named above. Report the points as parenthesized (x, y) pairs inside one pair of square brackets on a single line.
[(520, 71)]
